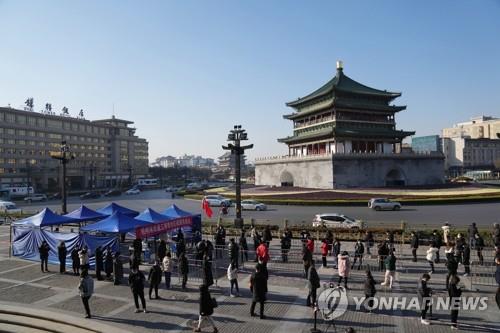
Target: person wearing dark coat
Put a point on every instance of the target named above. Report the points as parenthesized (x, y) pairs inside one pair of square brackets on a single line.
[(98, 263), (208, 278), (136, 282), (306, 259), (183, 269), (383, 252), (242, 242), (108, 263), (451, 266), (162, 250), (479, 248), (329, 239), (180, 247), (466, 259), (369, 241), (496, 236), (438, 241), (370, 290), (44, 250), (390, 239), (62, 252), (134, 260), (313, 283), (258, 287), (75, 261), (454, 292), (424, 293), (267, 236), (206, 309), (286, 244), (359, 251), (414, 245), (497, 278), (232, 250), (154, 279), (335, 252), (472, 232), (137, 245), (459, 248), (117, 269), (180, 234)]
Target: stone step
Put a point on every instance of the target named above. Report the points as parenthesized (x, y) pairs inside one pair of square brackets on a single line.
[(38, 323)]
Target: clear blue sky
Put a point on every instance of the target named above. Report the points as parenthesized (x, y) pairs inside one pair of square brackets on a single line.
[(187, 71)]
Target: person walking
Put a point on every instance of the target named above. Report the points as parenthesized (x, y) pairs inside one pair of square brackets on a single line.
[(370, 290), (472, 232), (344, 268), (44, 250), (86, 289), (206, 265), (183, 269), (359, 251), (424, 293), (335, 252), (324, 251), (390, 270), (207, 305), (83, 254), (168, 266), (242, 242), (162, 250), (117, 269), (232, 276), (451, 266), (455, 292), (108, 264), (431, 256), (136, 282), (414, 245), (154, 279), (479, 248), (75, 261), (62, 252), (313, 283), (98, 263), (258, 287), (233, 252)]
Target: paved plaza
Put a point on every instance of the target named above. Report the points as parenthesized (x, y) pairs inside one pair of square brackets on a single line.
[(22, 285)]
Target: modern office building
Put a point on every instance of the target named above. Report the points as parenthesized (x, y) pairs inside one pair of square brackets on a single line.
[(426, 144), (189, 161), (107, 152)]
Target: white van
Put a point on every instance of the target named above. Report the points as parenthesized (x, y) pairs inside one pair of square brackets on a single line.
[(9, 207)]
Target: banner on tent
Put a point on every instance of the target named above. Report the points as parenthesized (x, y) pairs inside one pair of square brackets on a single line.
[(163, 227)]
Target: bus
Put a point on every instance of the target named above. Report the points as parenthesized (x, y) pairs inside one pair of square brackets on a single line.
[(147, 182)]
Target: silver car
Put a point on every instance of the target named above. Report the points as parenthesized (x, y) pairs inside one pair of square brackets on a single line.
[(252, 205), (383, 204), (335, 220)]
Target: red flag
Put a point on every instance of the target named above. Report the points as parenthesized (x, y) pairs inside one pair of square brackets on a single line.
[(206, 208)]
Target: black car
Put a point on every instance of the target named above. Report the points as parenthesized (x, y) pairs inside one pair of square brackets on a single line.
[(90, 195), (113, 193)]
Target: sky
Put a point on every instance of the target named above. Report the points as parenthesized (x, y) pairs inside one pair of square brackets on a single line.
[(187, 71)]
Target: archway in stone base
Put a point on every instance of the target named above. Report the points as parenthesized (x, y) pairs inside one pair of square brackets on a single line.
[(395, 178), (286, 179)]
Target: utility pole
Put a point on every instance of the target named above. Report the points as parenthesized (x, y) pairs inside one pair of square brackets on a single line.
[(237, 135), (64, 155)]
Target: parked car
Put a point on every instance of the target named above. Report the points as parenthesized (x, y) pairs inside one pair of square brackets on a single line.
[(252, 205), (383, 204), (217, 200), (113, 193), (90, 195), (9, 207), (133, 191), (334, 220), (35, 197)]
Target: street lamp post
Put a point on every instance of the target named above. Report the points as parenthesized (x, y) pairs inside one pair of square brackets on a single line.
[(237, 135), (64, 155)]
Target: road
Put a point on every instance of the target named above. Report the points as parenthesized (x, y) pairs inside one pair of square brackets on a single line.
[(484, 214)]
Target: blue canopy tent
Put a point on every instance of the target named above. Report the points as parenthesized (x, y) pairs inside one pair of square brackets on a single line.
[(86, 214), (175, 212), (43, 219), (150, 215), (116, 223), (114, 208)]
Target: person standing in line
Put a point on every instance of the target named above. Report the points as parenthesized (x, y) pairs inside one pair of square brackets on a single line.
[(431, 256), (329, 240), (136, 282), (75, 261), (258, 287), (263, 253), (137, 246), (390, 270), (424, 293), (414, 245), (466, 259), (324, 251), (267, 235), (117, 269), (495, 235), (62, 252), (98, 263), (286, 244), (313, 283), (233, 252), (383, 252), (44, 250), (472, 232), (108, 263), (207, 305), (344, 268), (335, 252), (307, 258), (232, 276), (369, 241), (438, 242), (446, 233), (243, 246), (459, 248), (497, 278), (206, 265), (451, 265), (310, 244), (84, 258), (168, 266), (154, 279), (256, 240), (183, 269), (455, 293), (390, 239), (86, 289), (359, 251), (479, 248), (370, 290), (162, 250)]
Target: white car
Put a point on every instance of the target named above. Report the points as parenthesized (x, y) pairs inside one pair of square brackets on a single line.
[(383, 204), (133, 191), (335, 221), (9, 207), (36, 197), (252, 205), (217, 200)]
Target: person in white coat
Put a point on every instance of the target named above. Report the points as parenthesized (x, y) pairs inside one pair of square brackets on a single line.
[(167, 266), (431, 256), (446, 233), (232, 276)]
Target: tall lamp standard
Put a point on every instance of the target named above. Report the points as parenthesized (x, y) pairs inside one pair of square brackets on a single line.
[(237, 135), (64, 155)]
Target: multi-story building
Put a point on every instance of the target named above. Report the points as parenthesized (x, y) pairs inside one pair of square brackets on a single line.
[(464, 153), (107, 152), (190, 161), (426, 144), (344, 135), (483, 127)]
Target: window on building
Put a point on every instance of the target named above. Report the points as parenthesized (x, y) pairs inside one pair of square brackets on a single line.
[(21, 142), (11, 131), (10, 118)]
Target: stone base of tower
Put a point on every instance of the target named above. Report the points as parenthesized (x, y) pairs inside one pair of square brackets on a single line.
[(351, 170)]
